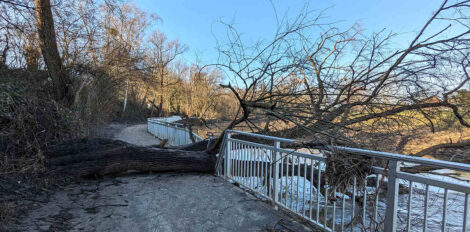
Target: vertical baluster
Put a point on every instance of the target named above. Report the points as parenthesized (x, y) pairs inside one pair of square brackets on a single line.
[(240, 157), (376, 205), (343, 208), (391, 217), (253, 161), (333, 224), (250, 167), (227, 154), (233, 146), (292, 184), (263, 177), (311, 189), (364, 203), (305, 186), (261, 163), (325, 208), (260, 157), (271, 166), (277, 157), (243, 166), (444, 211), (282, 178), (258, 176), (297, 203), (240, 163), (247, 167), (235, 162), (247, 159), (353, 202), (318, 190), (287, 178), (234, 157), (266, 158), (426, 198), (465, 212), (410, 198)]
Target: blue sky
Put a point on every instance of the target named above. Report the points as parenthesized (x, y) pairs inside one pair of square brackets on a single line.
[(196, 23)]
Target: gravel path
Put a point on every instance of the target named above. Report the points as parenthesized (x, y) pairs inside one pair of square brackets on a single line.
[(137, 135)]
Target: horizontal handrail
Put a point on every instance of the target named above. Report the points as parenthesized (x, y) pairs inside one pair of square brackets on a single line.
[(267, 137), (371, 153), (406, 158), (282, 150), (431, 181)]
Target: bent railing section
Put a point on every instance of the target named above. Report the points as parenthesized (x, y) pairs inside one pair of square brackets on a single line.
[(388, 199), (176, 133)]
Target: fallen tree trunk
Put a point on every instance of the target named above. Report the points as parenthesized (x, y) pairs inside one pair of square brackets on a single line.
[(433, 149), (98, 157)]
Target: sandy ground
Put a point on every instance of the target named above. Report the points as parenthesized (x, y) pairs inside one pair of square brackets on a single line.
[(158, 202)]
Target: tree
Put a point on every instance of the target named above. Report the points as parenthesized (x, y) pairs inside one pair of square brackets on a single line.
[(332, 84), (163, 52), (47, 40)]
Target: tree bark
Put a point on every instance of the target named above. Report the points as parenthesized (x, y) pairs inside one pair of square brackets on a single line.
[(47, 40)]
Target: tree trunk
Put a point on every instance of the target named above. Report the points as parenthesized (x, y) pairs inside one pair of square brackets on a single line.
[(47, 40), (98, 157), (3, 55)]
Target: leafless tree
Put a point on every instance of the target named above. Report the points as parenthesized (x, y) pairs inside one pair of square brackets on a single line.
[(163, 52), (324, 80)]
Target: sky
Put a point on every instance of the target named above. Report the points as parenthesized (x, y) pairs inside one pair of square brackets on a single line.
[(196, 23)]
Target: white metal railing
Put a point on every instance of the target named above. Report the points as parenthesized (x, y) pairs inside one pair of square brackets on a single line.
[(176, 133), (395, 201)]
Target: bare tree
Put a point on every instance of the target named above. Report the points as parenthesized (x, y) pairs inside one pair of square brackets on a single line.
[(163, 52), (330, 84)]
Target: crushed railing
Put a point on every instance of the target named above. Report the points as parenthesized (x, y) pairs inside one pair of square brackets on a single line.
[(388, 200), (176, 133)]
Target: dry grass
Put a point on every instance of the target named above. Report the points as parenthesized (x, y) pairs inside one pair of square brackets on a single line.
[(428, 139)]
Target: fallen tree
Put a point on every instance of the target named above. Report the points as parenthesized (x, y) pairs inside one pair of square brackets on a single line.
[(99, 157)]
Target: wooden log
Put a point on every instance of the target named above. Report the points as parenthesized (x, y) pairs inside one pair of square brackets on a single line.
[(98, 157)]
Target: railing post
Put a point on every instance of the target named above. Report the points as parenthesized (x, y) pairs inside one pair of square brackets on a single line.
[(227, 157), (276, 158), (392, 197)]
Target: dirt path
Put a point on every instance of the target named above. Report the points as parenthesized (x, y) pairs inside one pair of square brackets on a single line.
[(158, 202)]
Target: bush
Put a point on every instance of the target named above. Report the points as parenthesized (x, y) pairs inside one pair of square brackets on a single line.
[(29, 122)]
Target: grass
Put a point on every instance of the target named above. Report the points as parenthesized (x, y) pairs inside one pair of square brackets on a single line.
[(428, 139)]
